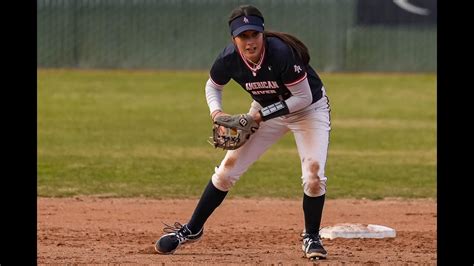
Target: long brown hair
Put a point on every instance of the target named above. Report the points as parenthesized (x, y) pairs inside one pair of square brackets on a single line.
[(292, 41)]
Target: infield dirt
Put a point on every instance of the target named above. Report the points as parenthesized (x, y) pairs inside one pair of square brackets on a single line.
[(241, 231)]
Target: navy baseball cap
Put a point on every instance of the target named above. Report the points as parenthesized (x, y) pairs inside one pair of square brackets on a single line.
[(243, 23)]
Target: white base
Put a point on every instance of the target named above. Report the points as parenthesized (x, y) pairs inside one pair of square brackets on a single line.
[(348, 230)]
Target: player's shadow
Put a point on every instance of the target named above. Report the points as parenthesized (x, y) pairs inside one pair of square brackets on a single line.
[(151, 250)]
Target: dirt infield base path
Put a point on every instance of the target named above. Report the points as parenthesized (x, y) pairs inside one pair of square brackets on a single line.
[(241, 231)]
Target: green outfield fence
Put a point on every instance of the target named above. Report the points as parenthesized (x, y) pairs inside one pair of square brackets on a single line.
[(342, 35)]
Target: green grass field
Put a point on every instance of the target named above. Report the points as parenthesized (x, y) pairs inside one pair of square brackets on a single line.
[(144, 133)]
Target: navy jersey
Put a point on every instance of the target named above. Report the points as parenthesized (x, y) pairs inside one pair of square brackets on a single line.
[(280, 67)]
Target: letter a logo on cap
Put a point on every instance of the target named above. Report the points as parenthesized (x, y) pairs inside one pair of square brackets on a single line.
[(246, 20)]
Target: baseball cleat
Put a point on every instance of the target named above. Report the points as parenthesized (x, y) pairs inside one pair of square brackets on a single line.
[(313, 247), (177, 235)]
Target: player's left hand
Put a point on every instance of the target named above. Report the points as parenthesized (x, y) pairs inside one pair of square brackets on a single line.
[(230, 132)]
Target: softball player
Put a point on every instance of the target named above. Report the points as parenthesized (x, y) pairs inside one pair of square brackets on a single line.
[(288, 95)]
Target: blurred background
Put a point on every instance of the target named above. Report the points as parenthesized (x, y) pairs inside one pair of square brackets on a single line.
[(120, 114), (342, 35)]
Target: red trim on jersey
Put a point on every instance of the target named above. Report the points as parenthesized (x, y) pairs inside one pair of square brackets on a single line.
[(215, 83), (297, 81)]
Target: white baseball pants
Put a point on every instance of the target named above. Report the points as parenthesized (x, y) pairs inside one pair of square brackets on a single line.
[(310, 127)]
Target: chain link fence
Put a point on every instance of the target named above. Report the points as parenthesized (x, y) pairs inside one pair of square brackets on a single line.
[(342, 35)]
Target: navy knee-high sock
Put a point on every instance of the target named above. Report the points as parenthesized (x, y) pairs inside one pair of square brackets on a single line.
[(211, 198), (313, 210)]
